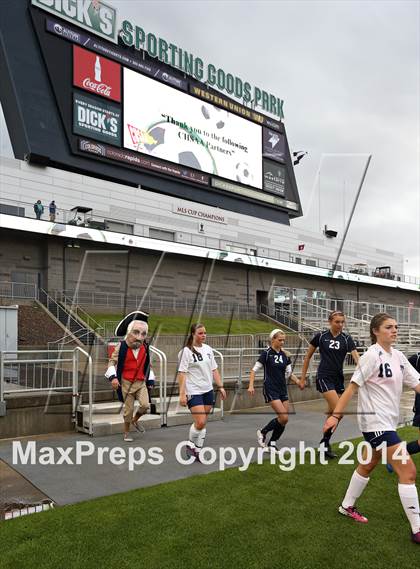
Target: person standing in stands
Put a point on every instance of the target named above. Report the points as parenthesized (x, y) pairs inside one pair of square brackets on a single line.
[(38, 209), (333, 345), (52, 210)]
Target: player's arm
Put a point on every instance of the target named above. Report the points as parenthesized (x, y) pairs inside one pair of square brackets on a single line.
[(296, 380), (257, 366), (337, 414), (181, 378), (355, 355), (218, 381), (307, 359), (417, 388)]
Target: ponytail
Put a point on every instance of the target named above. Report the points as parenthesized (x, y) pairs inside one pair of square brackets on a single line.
[(190, 339)]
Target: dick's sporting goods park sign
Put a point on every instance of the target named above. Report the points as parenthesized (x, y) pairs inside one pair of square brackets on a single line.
[(100, 18)]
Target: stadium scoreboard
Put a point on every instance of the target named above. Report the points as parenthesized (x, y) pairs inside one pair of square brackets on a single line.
[(124, 115)]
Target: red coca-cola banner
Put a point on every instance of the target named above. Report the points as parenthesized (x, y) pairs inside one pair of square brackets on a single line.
[(96, 74)]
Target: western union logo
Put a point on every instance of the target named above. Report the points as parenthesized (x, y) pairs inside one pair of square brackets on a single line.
[(93, 15)]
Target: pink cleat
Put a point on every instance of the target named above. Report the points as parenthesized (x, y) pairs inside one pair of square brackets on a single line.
[(415, 537), (351, 512)]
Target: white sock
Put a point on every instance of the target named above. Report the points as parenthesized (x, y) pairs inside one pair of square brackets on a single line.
[(201, 437), (194, 433), (357, 484), (410, 502)]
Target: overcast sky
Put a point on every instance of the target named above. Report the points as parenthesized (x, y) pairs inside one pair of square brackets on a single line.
[(349, 74)]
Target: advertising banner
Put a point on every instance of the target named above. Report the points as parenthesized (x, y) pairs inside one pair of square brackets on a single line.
[(171, 125), (135, 159), (96, 74), (97, 119), (273, 145), (274, 178)]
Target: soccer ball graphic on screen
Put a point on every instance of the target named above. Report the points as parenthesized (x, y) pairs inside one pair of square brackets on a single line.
[(216, 117), (175, 144), (243, 173)]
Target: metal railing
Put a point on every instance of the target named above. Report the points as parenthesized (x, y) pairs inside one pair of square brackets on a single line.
[(222, 375), (18, 290), (154, 304), (36, 371)]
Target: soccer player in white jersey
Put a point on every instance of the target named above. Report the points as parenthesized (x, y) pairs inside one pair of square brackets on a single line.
[(379, 378), (197, 369)]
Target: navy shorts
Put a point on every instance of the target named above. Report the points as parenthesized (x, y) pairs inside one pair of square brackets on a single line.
[(274, 392), (201, 399), (416, 410), (326, 383), (377, 437)]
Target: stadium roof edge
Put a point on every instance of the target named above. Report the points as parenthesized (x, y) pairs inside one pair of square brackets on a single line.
[(68, 231)]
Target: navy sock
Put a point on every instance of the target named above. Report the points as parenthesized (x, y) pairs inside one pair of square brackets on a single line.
[(277, 432), (269, 427), (327, 436), (413, 447)]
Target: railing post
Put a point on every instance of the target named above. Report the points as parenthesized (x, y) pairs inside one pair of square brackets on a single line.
[(1, 377)]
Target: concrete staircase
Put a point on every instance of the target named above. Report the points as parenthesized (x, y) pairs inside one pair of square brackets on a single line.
[(107, 418)]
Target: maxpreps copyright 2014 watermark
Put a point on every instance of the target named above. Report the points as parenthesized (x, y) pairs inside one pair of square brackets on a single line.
[(287, 458)]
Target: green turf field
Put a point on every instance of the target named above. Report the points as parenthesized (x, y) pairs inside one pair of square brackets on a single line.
[(179, 324), (263, 518)]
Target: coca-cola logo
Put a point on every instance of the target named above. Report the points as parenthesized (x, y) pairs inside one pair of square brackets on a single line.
[(96, 74), (100, 88)]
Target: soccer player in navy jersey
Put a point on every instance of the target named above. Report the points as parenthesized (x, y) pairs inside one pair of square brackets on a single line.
[(413, 447), (277, 370), (333, 345)]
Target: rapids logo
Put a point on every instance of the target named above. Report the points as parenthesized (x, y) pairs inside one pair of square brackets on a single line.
[(96, 119), (92, 15)]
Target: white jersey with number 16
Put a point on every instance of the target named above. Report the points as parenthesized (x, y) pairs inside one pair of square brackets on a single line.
[(380, 376)]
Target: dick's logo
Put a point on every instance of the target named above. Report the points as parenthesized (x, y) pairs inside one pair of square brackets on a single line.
[(98, 119), (93, 15), (96, 74)]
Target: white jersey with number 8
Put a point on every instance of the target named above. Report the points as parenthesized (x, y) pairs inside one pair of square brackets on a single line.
[(198, 368)]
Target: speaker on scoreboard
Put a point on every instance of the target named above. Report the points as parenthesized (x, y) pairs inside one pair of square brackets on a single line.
[(330, 233), (39, 159)]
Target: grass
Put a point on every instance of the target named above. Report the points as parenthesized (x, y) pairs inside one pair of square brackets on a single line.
[(259, 519), (179, 324)]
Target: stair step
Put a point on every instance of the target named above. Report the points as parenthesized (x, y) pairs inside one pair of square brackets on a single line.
[(106, 419)]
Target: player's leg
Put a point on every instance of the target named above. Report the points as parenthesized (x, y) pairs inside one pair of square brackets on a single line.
[(407, 490), (281, 408), (142, 396), (413, 447), (271, 425), (331, 397), (358, 483), (200, 407), (128, 408)]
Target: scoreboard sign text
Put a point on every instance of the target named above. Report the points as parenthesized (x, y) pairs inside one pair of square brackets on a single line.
[(92, 15), (97, 119)]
